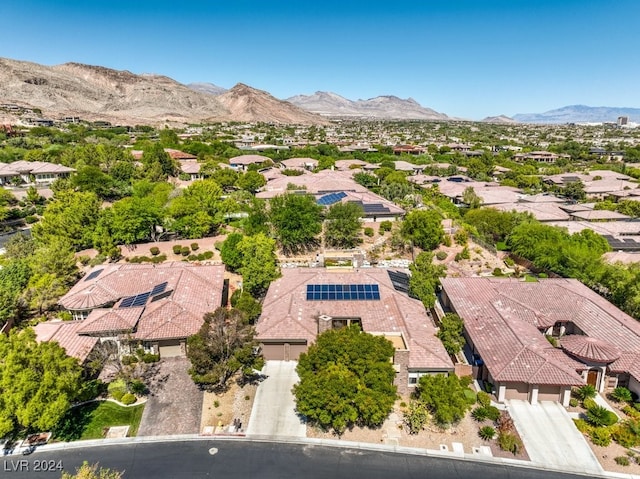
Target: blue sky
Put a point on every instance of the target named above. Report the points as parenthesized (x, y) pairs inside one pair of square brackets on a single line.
[(465, 58)]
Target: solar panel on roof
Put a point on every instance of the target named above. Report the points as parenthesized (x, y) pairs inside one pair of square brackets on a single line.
[(331, 198), (127, 302), (157, 297), (343, 292), (94, 274), (159, 288), (141, 299), (399, 280)]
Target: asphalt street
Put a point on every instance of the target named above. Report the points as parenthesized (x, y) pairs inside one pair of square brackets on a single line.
[(245, 459)]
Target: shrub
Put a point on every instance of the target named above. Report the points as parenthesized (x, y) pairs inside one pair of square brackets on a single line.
[(128, 360), (600, 436), (484, 399), (415, 417), (385, 226), (30, 219), (117, 389), (509, 261), (631, 411), (65, 316), (91, 390), (583, 426), (117, 394), (84, 260), (509, 442), (573, 402), (154, 250), (636, 406), (194, 246), (505, 423), (99, 259), (601, 416), (184, 251), (502, 246), (622, 460), (470, 396), (216, 403), (137, 387), (487, 433), (585, 392), (461, 237), (493, 413), (177, 249), (447, 240), (479, 414), (159, 259), (127, 399), (208, 254), (368, 232), (543, 275), (621, 394), (589, 403), (192, 257), (627, 434), (497, 272), (441, 255)]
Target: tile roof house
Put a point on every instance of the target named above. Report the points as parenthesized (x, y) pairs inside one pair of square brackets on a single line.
[(156, 306), (242, 162), (66, 334), (293, 314), (505, 323), (39, 172)]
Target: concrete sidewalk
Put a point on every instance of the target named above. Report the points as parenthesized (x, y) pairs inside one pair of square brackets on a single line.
[(273, 412), (551, 438)]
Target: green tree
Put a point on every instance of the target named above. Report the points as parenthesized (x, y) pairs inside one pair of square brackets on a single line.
[(70, 216), (346, 379), (494, 225), (470, 198), (91, 178), (259, 263), (197, 211), (450, 333), (425, 277), (343, 226), (157, 164), (230, 253), (258, 219), (38, 382), (423, 228), (43, 291), (297, 220), (574, 190), (224, 345), (246, 303), (251, 181), (14, 277), (444, 396), (134, 219)]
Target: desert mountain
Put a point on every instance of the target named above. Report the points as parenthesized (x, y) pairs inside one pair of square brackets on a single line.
[(246, 104), (580, 114), (500, 119), (204, 87), (99, 93), (382, 107)]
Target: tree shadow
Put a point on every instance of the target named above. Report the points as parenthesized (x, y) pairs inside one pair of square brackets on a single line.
[(74, 422)]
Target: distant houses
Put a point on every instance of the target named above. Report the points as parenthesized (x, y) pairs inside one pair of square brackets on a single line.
[(32, 172)]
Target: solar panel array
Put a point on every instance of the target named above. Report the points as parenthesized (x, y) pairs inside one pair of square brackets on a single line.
[(623, 244), (94, 274), (141, 299), (375, 208), (343, 292), (159, 288), (331, 198), (163, 295), (400, 280)]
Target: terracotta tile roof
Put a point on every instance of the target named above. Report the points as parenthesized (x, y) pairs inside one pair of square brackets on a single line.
[(190, 167), (117, 320), (299, 163), (195, 290), (33, 167), (589, 349), (502, 319), (248, 159), (65, 333), (180, 155), (286, 313)]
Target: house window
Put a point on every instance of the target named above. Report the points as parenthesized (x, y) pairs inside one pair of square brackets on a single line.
[(80, 315), (338, 323)]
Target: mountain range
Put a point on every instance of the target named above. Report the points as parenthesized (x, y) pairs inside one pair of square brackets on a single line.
[(580, 114), (99, 93), (380, 107)]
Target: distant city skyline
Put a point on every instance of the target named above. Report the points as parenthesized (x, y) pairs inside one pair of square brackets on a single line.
[(465, 58)]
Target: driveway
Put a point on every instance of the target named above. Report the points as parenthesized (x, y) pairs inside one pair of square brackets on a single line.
[(273, 412), (174, 405), (551, 438)]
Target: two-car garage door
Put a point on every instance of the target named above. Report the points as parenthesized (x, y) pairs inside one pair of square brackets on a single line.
[(283, 351)]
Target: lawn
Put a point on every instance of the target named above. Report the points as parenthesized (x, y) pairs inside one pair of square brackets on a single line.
[(89, 420)]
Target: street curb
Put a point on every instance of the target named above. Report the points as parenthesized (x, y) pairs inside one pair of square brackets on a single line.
[(325, 443)]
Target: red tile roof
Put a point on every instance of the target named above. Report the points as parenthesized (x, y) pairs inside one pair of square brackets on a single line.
[(65, 333), (286, 313), (196, 290)]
